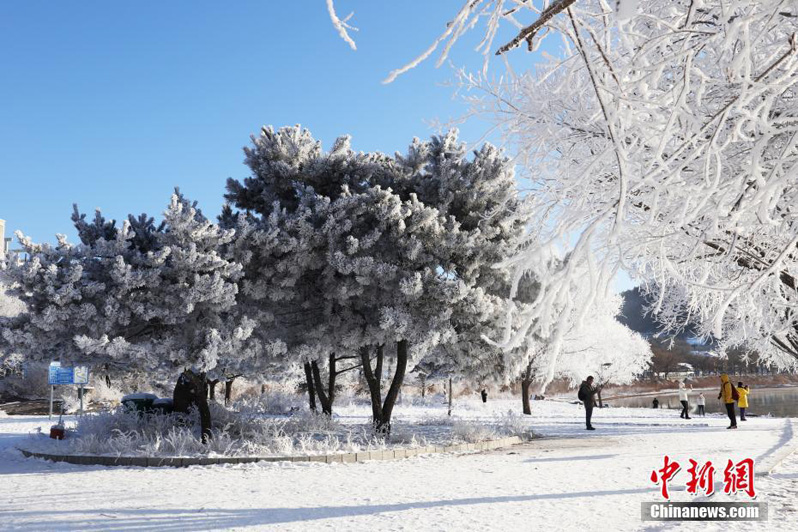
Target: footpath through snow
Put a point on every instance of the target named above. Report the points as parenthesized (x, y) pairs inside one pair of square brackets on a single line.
[(568, 480)]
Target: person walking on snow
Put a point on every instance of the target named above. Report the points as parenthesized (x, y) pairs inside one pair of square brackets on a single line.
[(701, 404), (684, 399), (727, 395), (742, 402), (586, 393)]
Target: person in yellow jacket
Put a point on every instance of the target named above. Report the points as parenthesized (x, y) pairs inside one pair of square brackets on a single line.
[(742, 402), (727, 396)]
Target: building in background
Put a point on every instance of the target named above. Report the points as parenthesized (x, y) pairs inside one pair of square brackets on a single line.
[(5, 246), (4, 242)]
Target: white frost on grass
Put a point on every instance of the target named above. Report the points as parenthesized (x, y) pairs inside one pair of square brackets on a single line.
[(252, 431)]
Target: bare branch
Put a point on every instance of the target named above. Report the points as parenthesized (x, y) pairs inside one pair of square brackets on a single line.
[(340, 25)]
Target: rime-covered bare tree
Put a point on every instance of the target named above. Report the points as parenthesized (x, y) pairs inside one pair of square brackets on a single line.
[(661, 139)]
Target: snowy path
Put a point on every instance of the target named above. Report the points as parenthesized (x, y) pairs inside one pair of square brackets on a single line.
[(578, 479)]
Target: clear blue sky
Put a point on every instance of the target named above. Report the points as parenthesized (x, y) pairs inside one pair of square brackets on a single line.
[(112, 104)]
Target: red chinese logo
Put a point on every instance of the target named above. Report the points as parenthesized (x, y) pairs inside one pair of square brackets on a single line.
[(664, 475), (701, 478), (737, 477)]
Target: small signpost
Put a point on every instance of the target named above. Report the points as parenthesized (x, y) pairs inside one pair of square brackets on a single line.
[(59, 376)]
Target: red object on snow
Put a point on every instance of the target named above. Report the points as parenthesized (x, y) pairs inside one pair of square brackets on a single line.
[(57, 432)]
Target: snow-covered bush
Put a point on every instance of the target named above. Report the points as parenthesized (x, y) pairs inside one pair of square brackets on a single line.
[(472, 431), (107, 395), (513, 424), (246, 433), (274, 403), (29, 382), (250, 432)]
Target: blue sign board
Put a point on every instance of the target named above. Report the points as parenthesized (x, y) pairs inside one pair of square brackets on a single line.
[(59, 375)]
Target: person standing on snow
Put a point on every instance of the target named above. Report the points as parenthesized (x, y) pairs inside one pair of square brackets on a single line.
[(484, 394), (727, 393), (742, 402), (684, 399), (655, 403), (701, 404), (586, 393)]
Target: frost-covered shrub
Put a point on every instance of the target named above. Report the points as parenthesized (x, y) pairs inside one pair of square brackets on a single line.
[(244, 433), (471, 432), (512, 424), (430, 399), (70, 402), (108, 395), (275, 403), (28, 383), (430, 420)]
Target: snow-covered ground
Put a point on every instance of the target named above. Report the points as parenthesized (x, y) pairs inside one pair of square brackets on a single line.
[(569, 480)]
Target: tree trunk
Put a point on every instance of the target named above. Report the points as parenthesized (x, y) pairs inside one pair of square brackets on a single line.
[(382, 410), (378, 370), (108, 380), (326, 399), (311, 389), (205, 416), (384, 426), (191, 390), (372, 382), (525, 385), (228, 390), (598, 393), (333, 373), (450, 396), (423, 385), (212, 389)]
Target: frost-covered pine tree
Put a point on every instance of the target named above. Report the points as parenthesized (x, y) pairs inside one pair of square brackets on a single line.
[(10, 361), (481, 194), (141, 297), (332, 264), (370, 251), (282, 209), (386, 282)]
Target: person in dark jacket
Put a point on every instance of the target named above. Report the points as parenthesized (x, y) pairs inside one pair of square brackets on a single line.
[(655, 403), (586, 393), (727, 396), (484, 394)]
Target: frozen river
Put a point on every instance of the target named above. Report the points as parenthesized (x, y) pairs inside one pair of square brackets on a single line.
[(779, 402)]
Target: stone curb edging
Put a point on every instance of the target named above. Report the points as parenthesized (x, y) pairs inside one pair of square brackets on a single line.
[(346, 458)]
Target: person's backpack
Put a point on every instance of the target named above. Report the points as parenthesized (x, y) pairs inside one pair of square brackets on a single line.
[(735, 393), (582, 395)]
